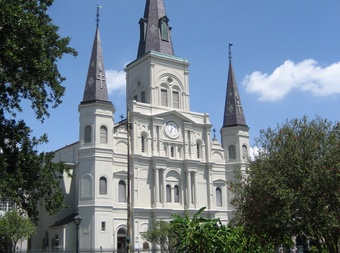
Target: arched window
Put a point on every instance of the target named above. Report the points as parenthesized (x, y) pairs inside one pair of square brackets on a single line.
[(175, 99), (143, 143), (172, 151), (164, 28), (168, 193), (244, 152), (102, 185), (176, 197), (143, 99), (198, 149), (103, 135), (86, 187), (87, 135), (231, 150), (122, 191), (164, 97), (142, 27), (218, 196)]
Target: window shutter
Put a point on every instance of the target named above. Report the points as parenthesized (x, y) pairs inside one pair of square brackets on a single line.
[(87, 137), (143, 97), (175, 95), (232, 155), (164, 97), (103, 135), (122, 191)]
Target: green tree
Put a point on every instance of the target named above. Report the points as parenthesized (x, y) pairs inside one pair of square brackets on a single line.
[(198, 234), (293, 185), (161, 234), (30, 48), (14, 227), (238, 241)]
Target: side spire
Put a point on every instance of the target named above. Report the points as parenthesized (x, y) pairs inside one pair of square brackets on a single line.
[(155, 33), (95, 87), (233, 112)]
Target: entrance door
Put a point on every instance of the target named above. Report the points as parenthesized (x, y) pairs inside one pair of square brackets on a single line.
[(121, 240)]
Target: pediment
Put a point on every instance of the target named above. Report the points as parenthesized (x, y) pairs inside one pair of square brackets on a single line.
[(175, 113), (219, 181)]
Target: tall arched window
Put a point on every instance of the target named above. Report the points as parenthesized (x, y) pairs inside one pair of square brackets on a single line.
[(87, 135), (102, 185), (164, 97), (175, 99), (122, 191), (143, 143), (176, 197), (244, 152), (103, 135), (164, 28), (172, 151), (231, 150), (168, 193), (198, 149), (218, 196), (86, 187)]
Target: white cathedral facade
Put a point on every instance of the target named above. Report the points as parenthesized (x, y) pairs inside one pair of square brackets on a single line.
[(174, 162)]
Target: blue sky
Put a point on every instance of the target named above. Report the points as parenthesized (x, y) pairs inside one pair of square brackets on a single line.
[(286, 58)]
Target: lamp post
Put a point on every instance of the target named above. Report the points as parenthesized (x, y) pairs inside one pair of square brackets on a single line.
[(77, 221)]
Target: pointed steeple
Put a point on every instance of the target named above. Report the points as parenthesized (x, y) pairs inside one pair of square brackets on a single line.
[(95, 87), (233, 112), (155, 33)]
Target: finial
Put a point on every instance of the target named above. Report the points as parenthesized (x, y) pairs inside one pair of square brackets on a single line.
[(121, 117), (214, 130), (97, 16), (230, 44)]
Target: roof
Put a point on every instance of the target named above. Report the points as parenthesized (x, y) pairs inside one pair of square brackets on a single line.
[(95, 87), (65, 220), (233, 112), (154, 30)]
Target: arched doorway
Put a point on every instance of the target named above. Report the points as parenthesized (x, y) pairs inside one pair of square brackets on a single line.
[(121, 240), (302, 244)]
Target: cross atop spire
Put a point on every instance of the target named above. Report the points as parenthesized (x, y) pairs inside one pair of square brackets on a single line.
[(97, 15), (230, 45), (155, 33)]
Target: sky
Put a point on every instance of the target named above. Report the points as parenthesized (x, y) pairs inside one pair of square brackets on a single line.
[(285, 55)]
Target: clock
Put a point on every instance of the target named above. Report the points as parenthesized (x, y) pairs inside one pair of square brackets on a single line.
[(171, 129)]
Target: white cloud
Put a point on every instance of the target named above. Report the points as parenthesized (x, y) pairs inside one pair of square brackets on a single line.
[(254, 151), (115, 80), (305, 76)]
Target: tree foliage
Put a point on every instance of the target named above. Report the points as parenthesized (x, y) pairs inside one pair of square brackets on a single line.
[(14, 227), (161, 234), (293, 185), (203, 235), (30, 48)]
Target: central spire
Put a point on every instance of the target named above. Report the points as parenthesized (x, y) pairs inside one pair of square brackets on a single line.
[(155, 33)]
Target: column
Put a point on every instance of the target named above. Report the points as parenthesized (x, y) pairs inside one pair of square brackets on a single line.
[(189, 188), (156, 186), (163, 187)]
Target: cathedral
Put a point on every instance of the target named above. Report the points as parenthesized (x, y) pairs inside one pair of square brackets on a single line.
[(163, 159)]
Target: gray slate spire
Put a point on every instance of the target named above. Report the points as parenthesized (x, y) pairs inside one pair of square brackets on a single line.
[(95, 87), (155, 33), (233, 112)]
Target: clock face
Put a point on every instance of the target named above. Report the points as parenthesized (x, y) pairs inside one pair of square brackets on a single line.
[(171, 129)]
